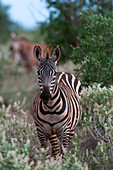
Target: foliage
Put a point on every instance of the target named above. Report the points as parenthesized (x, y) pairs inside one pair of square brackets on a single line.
[(7, 67), (95, 50), (20, 148), (19, 144), (33, 35), (64, 24), (6, 25), (14, 84), (97, 105), (14, 143)]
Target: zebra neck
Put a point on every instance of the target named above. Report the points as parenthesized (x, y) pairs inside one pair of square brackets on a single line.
[(57, 105)]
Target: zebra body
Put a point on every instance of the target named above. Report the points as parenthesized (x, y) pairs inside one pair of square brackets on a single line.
[(57, 118)]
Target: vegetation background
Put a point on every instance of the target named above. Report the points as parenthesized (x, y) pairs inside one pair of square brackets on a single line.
[(84, 30)]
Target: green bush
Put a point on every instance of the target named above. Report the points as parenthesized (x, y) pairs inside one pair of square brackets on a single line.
[(63, 24), (95, 50), (6, 24), (97, 120)]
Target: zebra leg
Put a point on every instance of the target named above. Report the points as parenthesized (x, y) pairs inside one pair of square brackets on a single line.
[(66, 135), (65, 141), (71, 134), (67, 138), (44, 142), (42, 137), (55, 145)]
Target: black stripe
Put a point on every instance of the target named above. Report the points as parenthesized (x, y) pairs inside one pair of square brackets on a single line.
[(58, 113), (52, 124), (79, 90), (52, 137), (74, 111), (75, 83), (64, 78), (54, 143), (70, 78), (55, 104), (39, 124), (56, 93)]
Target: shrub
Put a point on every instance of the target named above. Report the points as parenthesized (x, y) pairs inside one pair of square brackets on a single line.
[(14, 140), (95, 50), (20, 148), (97, 105), (19, 144)]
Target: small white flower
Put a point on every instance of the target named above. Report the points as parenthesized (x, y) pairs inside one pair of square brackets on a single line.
[(87, 154), (101, 148)]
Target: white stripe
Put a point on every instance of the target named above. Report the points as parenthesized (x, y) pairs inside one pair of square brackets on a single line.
[(73, 81), (60, 77), (77, 87)]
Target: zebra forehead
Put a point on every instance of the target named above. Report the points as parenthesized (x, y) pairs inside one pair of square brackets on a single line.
[(47, 65)]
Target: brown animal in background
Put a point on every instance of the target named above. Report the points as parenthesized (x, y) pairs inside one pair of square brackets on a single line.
[(22, 51)]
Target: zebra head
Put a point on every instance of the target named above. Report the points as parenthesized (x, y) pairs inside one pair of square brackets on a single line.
[(46, 71)]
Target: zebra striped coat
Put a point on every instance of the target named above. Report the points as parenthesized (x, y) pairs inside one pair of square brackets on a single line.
[(56, 108)]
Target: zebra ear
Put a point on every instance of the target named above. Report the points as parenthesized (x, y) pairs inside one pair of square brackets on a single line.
[(56, 53), (37, 52)]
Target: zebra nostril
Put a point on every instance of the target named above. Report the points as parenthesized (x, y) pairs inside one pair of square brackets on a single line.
[(45, 97)]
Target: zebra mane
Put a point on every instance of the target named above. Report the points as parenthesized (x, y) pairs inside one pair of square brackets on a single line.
[(47, 55)]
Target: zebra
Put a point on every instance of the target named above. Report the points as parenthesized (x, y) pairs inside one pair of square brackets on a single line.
[(56, 107)]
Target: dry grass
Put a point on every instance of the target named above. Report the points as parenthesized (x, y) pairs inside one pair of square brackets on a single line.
[(68, 66)]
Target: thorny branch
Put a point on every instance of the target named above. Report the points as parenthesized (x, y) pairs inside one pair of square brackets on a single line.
[(100, 134)]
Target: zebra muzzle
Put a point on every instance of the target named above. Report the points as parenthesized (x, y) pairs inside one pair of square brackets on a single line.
[(45, 95)]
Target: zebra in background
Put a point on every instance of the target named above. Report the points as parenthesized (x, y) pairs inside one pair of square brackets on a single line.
[(56, 108)]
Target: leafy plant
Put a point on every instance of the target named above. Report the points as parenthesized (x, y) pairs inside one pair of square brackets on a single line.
[(64, 24), (19, 144), (6, 25), (95, 50), (20, 147), (97, 120)]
